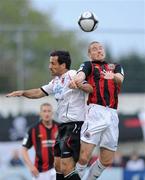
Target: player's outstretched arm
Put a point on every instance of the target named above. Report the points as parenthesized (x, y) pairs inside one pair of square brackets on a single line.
[(31, 93)]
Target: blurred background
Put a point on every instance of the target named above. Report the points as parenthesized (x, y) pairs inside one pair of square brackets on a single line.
[(29, 30)]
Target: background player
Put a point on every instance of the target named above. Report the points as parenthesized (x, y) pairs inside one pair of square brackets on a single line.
[(42, 136)]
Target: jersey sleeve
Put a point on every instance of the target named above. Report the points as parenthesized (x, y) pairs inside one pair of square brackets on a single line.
[(27, 141), (48, 89), (119, 69), (86, 67), (72, 73)]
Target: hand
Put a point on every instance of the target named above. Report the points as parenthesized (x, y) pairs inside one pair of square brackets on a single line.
[(108, 74), (15, 94), (79, 84), (72, 84), (34, 171)]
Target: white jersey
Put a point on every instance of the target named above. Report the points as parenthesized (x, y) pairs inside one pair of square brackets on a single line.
[(71, 102)]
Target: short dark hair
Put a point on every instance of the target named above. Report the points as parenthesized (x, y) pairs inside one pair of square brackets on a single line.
[(63, 57)]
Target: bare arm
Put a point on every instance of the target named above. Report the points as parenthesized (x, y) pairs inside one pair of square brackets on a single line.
[(28, 162), (85, 87), (78, 79), (118, 78), (31, 93)]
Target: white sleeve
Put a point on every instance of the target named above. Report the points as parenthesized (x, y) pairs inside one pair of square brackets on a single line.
[(48, 89), (72, 73)]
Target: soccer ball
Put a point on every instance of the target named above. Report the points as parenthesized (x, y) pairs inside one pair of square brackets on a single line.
[(88, 21)]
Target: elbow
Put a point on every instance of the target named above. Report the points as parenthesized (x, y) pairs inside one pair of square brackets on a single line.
[(91, 90)]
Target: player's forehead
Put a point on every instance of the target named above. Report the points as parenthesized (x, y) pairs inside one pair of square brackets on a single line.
[(53, 59), (46, 107), (96, 45)]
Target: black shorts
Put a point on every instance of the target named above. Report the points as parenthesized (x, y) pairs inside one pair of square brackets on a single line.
[(68, 140)]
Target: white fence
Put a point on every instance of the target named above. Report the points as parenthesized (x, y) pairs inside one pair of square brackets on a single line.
[(128, 104)]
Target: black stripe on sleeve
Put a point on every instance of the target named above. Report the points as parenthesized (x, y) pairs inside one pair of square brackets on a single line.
[(27, 141), (119, 69), (44, 91)]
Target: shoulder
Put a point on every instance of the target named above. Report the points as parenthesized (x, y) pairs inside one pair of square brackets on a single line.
[(86, 63), (33, 126), (85, 66), (71, 73)]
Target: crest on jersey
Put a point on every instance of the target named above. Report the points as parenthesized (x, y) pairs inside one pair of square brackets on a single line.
[(97, 66)]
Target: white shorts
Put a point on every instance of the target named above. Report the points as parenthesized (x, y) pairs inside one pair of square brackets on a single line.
[(101, 127), (50, 174)]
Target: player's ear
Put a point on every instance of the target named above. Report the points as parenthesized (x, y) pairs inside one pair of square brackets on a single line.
[(63, 65), (89, 55), (40, 113)]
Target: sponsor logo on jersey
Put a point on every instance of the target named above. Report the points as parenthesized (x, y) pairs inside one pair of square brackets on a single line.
[(97, 66), (48, 143)]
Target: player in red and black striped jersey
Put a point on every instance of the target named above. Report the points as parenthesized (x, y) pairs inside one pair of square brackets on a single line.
[(101, 125), (105, 92), (42, 136)]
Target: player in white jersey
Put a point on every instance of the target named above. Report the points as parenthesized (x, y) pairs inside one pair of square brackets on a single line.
[(71, 103), (71, 112)]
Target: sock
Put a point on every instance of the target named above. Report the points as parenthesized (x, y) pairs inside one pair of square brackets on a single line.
[(80, 169), (59, 176), (72, 176), (95, 170)]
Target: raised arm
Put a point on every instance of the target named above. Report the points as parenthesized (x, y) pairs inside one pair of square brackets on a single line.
[(31, 93)]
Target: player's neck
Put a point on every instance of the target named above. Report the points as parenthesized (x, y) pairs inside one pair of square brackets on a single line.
[(63, 72), (47, 124)]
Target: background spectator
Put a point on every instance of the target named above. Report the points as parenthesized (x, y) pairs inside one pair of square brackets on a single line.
[(135, 163), (15, 160)]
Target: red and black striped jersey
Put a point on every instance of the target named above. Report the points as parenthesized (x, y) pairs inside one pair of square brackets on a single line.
[(105, 91), (43, 140)]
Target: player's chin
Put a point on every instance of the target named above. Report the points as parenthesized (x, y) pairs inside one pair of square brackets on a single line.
[(100, 58), (53, 73)]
